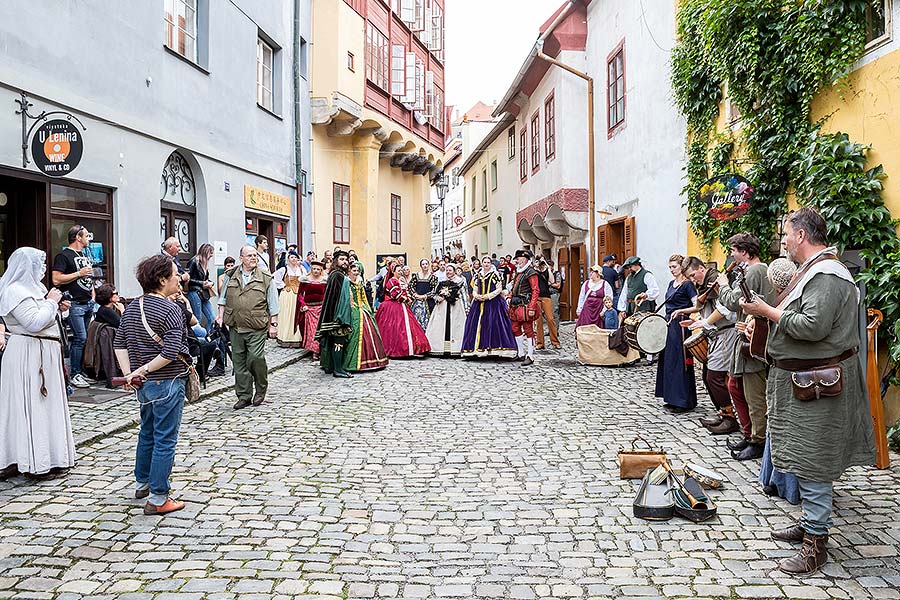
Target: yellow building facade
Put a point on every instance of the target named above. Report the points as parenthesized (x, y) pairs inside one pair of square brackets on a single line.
[(373, 159)]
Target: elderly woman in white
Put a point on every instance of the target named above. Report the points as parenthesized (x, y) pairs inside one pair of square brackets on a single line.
[(35, 430)]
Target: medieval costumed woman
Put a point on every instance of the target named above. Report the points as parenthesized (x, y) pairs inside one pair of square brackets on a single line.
[(675, 371), (422, 287), (290, 330), (311, 293), (401, 333), (35, 430), (488, 330), (365, 350), (448, 321), (594, 291)]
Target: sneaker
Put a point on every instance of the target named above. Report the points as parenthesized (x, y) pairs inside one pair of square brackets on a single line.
[(216, 371), (88, 379), (80, 381)]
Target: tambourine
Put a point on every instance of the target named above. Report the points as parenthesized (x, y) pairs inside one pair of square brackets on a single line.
[(708, 478)]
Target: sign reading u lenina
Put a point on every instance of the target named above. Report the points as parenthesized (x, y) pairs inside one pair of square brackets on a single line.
[(57, 147), (266, 201)]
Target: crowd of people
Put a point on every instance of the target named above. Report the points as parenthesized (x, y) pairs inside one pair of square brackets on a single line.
[(779, 365)]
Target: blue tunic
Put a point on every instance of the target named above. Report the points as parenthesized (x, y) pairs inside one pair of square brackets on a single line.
[(674, 378)]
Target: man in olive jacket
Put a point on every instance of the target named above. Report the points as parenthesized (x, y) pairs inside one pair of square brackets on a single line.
[(248, 305), (814, 328)]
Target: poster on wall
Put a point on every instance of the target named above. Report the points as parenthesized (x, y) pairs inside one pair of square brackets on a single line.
[(57, 147), (381, 259), (727, 196), (220, 252)]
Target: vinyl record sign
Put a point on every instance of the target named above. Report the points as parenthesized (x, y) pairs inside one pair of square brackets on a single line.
[(727, 196), (57, 147)]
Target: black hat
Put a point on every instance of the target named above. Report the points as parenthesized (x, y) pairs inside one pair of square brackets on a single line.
[(521, 253), (339, 253)]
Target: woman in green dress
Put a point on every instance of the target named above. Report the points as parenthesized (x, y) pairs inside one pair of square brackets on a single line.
[(364, 350)]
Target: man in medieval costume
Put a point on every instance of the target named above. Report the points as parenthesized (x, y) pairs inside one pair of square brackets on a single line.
[(524, 292), (335, 320), (817, 431)]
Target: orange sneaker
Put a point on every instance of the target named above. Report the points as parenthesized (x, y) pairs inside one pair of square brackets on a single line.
[(169, 506)]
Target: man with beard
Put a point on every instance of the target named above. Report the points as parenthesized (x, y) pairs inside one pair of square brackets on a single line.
[(523, 305), (819, 419), (334, 326)]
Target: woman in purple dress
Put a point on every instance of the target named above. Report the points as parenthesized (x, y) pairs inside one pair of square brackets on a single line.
[(590, 301), (488, 329), (675, 372)]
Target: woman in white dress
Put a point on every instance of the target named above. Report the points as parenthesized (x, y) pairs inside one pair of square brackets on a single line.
[(447, 324), (287, 279), (35, 431)]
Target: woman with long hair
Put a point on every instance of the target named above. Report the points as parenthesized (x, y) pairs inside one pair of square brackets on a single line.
[(310, 296), (422, 287), (364, 350), (675, 371), (200, 286), (401, 333)]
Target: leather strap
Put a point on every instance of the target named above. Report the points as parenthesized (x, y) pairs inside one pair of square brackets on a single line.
[(798, 364), (798, 276)]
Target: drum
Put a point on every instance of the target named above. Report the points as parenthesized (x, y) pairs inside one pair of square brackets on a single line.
[(646, 332), (706, 477), (698, 345)]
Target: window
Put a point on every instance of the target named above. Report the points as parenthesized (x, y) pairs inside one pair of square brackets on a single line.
[(341, 214), (523, 155), (511, 142), (615, 92), (499, 230), (398, 70), (550, 126), (351, 62), (419, 103), (181, 27), (484, 189), (265, 66), (878, 23), (494, 175), (437, 118), (178, 203), (395, 219), (377, 58), (474, 190), (437, 32), (304, 59), (536, 141)]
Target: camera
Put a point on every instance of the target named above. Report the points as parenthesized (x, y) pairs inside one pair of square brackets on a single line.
[(66, 297)]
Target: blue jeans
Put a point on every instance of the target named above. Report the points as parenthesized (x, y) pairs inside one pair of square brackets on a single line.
[(162, 402), (80, 316), (816, 499), (203, 309)]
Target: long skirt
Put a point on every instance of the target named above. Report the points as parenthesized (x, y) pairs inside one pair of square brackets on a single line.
[(310, 322), (488, 330), (421, 310), (288, 336), (401, 333), (446, 328), (365, 350), (592, 313), (674, 378), (35, 430), (786, 484)]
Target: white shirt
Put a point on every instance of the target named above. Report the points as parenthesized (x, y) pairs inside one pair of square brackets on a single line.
[(588, 287), (652, 291)]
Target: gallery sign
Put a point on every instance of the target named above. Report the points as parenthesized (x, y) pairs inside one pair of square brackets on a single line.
[(263, 200), (57, 147), (727, 196)]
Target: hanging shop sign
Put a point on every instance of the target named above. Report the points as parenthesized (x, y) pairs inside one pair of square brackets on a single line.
[(727, 196), (263, 200), (57, 145)]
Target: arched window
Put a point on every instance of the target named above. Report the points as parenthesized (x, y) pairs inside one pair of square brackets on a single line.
[(499, 230), (178, 204)]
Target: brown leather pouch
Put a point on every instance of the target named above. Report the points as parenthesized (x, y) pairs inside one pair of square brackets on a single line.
[(633, 464), (812, 384)]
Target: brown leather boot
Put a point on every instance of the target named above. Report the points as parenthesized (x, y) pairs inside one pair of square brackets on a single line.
[(728, 425), (714, 420), (812, 555), (794, 533)]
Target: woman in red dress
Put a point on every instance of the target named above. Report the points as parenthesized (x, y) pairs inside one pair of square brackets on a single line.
[(309, 305), (400, 331)]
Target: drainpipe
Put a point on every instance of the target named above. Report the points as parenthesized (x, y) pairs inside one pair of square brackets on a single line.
[(590, 114), (298, 128)]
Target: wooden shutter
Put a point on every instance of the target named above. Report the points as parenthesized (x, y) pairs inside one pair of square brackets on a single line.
[(630, 243), (602, 242)]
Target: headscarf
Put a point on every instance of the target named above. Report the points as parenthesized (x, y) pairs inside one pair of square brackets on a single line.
[(24, 271)]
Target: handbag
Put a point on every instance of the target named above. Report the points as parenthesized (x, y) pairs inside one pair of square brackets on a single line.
[(192, 386), (634, 463), (826, 382)]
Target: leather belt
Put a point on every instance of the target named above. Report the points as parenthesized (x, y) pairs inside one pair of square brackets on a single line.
[(798, 364)]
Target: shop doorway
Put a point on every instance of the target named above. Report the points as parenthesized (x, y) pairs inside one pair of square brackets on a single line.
[(571, 264), (617, 237), (23, 216), (275, 231)]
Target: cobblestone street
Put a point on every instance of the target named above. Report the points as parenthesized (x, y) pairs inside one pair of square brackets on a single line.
[(430, 479)]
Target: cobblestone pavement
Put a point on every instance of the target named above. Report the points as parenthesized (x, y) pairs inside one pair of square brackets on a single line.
[(433, 478)]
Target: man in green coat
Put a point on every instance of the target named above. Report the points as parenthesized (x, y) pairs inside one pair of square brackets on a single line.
[(335, 325), (814, 326)]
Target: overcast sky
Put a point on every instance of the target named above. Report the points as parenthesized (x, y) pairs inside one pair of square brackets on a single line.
[(487, 42)]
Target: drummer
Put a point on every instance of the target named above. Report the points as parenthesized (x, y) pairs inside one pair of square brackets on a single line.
[(639, 293), (723, 339)]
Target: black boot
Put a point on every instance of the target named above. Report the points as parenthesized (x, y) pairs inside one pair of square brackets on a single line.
[(337, 363), (750, 452), (327, 357)]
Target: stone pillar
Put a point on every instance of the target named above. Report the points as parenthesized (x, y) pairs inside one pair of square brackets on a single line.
[(364, 203)]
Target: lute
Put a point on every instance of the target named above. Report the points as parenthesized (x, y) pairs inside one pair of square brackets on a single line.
[(757, 347)]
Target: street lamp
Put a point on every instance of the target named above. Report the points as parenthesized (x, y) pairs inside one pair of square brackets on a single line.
[(442, 185)]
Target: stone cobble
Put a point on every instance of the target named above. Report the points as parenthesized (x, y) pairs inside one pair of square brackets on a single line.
[(430, 479)]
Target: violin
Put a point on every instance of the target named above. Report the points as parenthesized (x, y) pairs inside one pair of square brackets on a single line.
[(714, 287)]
